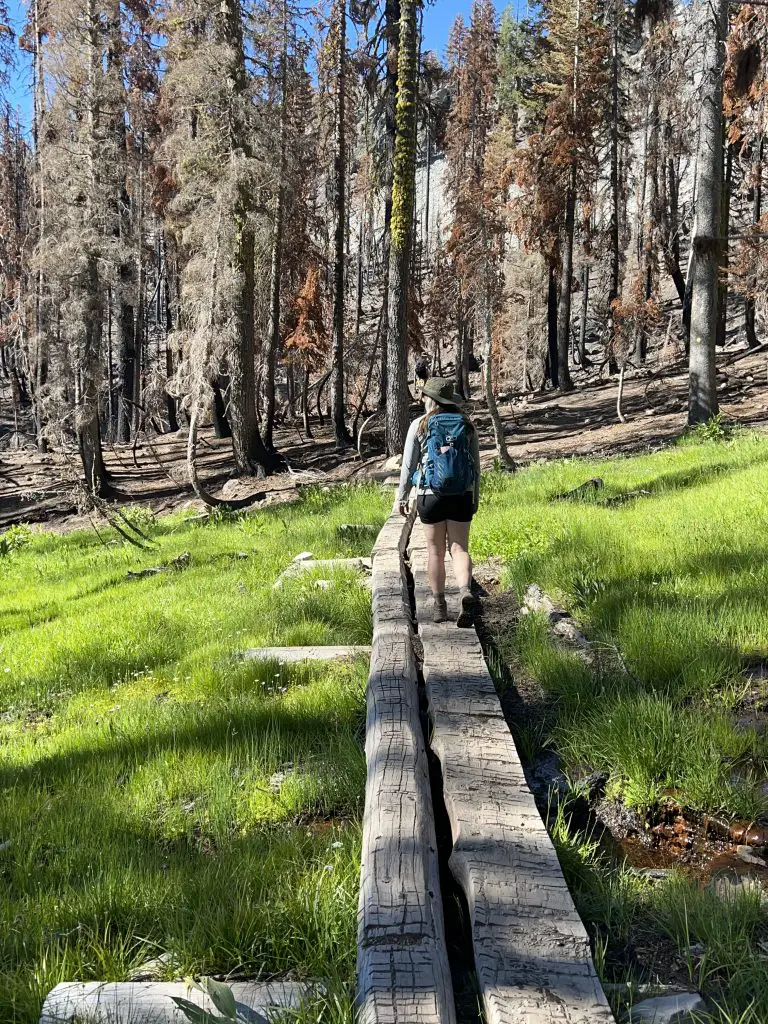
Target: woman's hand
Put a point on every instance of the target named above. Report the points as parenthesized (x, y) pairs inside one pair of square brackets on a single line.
[(403, 509)]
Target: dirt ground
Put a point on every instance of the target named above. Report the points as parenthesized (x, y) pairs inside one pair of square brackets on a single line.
[(36, 488)]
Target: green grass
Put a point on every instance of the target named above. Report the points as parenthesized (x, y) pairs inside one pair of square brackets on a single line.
[(160, 796), (676, 582)]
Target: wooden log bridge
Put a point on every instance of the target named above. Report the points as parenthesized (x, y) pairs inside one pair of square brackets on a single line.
[(532, 955)]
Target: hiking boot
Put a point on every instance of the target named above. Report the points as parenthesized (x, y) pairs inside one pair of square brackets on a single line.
[(440, 608), (468, 604)]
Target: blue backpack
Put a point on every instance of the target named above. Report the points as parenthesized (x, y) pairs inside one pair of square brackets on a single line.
[(446, 462)]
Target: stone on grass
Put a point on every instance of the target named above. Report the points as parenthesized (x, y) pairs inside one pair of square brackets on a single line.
[(305, 556), (747, 854), (676, 1009), (655, 874), (729, 885)]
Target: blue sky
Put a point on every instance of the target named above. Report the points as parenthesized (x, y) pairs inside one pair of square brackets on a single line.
[(438, 18)]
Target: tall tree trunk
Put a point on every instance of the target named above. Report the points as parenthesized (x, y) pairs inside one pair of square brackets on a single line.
[(126, 349), (502, 451), (340, 168), (552, 350), (403, 198), (273, 326), (707, 244), (615, 280), (41, 327), (392, 31), (250, 455), (757, 202), (87, 428), (722, 281), (584, 311), (461, 344), (564, 317)]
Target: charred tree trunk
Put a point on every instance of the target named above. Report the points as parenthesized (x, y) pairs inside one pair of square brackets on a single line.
[(87, 427), (584, 312), (506, 460), (273, 326), (251, 457), (707, 243), (564, 317), (552, 350), (722, 281), (221, 427), (757, 212), (340, 167)]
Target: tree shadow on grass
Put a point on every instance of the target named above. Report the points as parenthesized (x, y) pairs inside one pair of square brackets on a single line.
[(664, 483)]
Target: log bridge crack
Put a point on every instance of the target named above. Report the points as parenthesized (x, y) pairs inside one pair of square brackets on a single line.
[(531, 949)]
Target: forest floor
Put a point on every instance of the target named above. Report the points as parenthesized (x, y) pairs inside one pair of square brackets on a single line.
[(37, 488)]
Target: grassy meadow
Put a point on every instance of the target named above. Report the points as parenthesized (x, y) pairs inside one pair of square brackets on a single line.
[(675, 580), (163, 800)]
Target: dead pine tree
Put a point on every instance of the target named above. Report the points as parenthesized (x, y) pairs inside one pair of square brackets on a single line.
[(707, 241), (339, 28)]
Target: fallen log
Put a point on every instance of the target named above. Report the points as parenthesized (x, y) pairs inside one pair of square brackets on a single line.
[(588, 487)]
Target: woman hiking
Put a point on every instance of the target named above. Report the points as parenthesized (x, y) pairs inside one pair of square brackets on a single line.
[(442, 459)]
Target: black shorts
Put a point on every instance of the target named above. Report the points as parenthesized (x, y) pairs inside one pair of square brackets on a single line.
[(432, 508)]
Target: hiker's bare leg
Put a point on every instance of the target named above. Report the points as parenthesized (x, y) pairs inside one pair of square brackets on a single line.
[(435, 534), (458, 545)]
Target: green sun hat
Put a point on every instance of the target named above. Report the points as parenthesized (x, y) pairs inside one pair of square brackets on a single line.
[(440, 389)]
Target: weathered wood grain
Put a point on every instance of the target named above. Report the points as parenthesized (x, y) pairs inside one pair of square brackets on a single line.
[(531, 949), (137, 1002), (287, 655), (403, 975)]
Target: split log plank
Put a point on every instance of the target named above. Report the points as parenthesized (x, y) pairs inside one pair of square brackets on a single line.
[(531, 948), (402, 969), (288, 655), (134, 1002)]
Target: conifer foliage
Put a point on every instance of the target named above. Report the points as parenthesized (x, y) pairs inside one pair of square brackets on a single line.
[(252, 216)]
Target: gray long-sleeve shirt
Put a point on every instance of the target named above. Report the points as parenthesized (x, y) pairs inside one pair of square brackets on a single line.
[(412, 459)]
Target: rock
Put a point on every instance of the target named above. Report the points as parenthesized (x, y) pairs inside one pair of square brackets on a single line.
[(305, 556), (728, 885), (750, 378), (353, 529), (587, 421), (746, 853), (676, 1009), (153, 970), (649, 412), (595, 784), (654, 874), (394, 462)]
